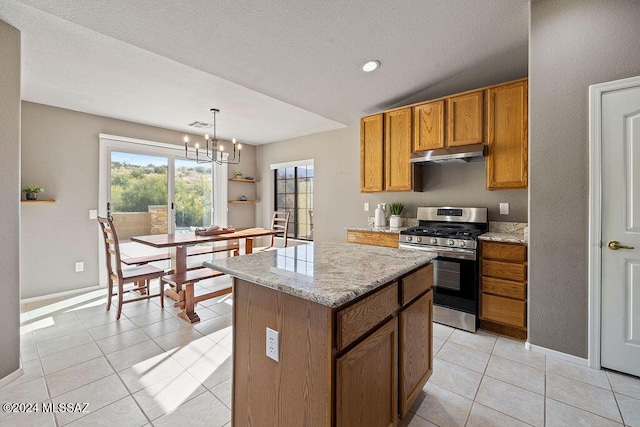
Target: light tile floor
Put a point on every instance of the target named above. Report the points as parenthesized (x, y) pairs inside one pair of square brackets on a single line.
[(151, 368)]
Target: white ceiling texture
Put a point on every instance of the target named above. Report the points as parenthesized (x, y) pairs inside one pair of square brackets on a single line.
[(276, 69)]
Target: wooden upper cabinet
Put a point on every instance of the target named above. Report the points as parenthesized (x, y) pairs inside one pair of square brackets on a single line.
[(428, 126), (465, 117), (507, 133), (397, 150), (372, 153)]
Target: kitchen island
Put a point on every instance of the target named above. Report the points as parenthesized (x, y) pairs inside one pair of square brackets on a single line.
[(354, 338)]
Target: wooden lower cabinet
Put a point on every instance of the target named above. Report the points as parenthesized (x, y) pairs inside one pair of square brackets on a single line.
[(375, 238), (503, 288), (367, 380), (362, 364), (416, 350)]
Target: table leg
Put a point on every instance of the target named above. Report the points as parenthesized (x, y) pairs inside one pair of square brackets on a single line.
[(179, 259), (188, 313), (248, 245), (179, 264)]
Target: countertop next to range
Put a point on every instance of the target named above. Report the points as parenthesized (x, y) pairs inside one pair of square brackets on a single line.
[(505, 232), (331, 273)]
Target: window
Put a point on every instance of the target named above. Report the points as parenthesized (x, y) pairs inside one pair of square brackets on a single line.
[(294, 194)]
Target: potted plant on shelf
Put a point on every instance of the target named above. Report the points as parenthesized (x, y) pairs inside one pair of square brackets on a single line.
[(396, 208), (31, 191)]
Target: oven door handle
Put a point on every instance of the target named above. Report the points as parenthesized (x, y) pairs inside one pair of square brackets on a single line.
[(444, 252)]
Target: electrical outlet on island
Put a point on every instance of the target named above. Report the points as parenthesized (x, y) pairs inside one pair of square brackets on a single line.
[(273, 345)]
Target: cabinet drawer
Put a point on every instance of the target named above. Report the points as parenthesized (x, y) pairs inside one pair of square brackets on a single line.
[(505, 288), (504, 251), (504, 270), (359, 318), (503, 310), (373, 238), (416, 283)]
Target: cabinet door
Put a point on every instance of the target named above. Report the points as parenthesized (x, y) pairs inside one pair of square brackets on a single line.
[(366, 380), (507, 136), (465, 117), (371, 153), (397, 150), (416, 349), (428, 126)]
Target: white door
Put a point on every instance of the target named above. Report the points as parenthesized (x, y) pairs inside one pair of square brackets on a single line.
[(620, 328)]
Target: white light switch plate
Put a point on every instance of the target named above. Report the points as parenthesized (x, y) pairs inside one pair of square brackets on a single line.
[(504, 208), (93, 214), (366, 207), (273, 345), (79, 267)]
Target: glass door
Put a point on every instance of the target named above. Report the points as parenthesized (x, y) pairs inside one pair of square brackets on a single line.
[(193, 195), (150, 188), (137, 200)]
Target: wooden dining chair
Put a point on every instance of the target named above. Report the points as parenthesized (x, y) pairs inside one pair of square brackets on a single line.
[(280, 222), (141, 274)]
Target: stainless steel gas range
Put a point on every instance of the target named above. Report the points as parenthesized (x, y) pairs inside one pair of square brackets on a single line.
[(451, 233)]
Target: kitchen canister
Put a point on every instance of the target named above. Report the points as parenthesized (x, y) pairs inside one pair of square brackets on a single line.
[(380, 216)]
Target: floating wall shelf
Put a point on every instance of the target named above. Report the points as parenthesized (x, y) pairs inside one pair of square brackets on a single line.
[(242, 202), (37, 202), (242, 180)]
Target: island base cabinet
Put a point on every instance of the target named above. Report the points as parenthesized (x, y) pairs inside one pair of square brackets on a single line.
[(416, 350), (296, 390), (366, 380)]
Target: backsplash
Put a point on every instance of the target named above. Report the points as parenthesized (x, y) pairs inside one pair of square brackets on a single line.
[(510, 227), (406, 222)]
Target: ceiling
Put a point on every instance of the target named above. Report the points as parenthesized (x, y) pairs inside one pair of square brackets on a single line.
[(276, 69)]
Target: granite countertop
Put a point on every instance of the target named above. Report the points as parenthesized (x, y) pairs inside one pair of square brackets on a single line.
[(331, 274), (507, 232), (504, 237)]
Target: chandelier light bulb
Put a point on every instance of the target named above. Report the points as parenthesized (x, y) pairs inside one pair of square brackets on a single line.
[(186, 139), (197, 145)]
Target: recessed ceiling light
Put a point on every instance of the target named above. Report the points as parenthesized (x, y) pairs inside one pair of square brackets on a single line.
[(370, 66)]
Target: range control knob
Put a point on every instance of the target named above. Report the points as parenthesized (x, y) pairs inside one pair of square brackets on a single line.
[(409, 238), (418, 239), (434, 241), (450, 242), (462, 243)]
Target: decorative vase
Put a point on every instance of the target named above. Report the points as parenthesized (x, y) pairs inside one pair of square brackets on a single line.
[(31, 196), (395, 221)]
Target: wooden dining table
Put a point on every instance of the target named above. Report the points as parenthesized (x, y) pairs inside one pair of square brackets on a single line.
[(179, 242)]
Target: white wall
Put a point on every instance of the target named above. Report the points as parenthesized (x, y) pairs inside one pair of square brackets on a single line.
[(338, 202), (60, 152), (573, 44), (10, 194)]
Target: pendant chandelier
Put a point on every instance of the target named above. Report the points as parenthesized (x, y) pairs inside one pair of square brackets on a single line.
[(216, 152)]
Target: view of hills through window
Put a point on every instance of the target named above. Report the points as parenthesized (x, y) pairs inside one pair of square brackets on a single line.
[(139, 184)]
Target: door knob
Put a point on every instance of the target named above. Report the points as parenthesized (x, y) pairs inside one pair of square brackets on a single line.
[(615, 245)]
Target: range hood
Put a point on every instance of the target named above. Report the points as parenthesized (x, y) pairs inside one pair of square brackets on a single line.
[(465, 154)]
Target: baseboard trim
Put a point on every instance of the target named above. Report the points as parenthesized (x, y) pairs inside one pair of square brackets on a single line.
[(59, 294), (557, 354), (11, 377)]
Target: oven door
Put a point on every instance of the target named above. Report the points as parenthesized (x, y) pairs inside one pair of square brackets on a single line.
[(455, 284), (455, 277)]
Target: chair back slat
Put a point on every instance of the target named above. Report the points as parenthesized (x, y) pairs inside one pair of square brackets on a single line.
[(111, 246), (280, 222)]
